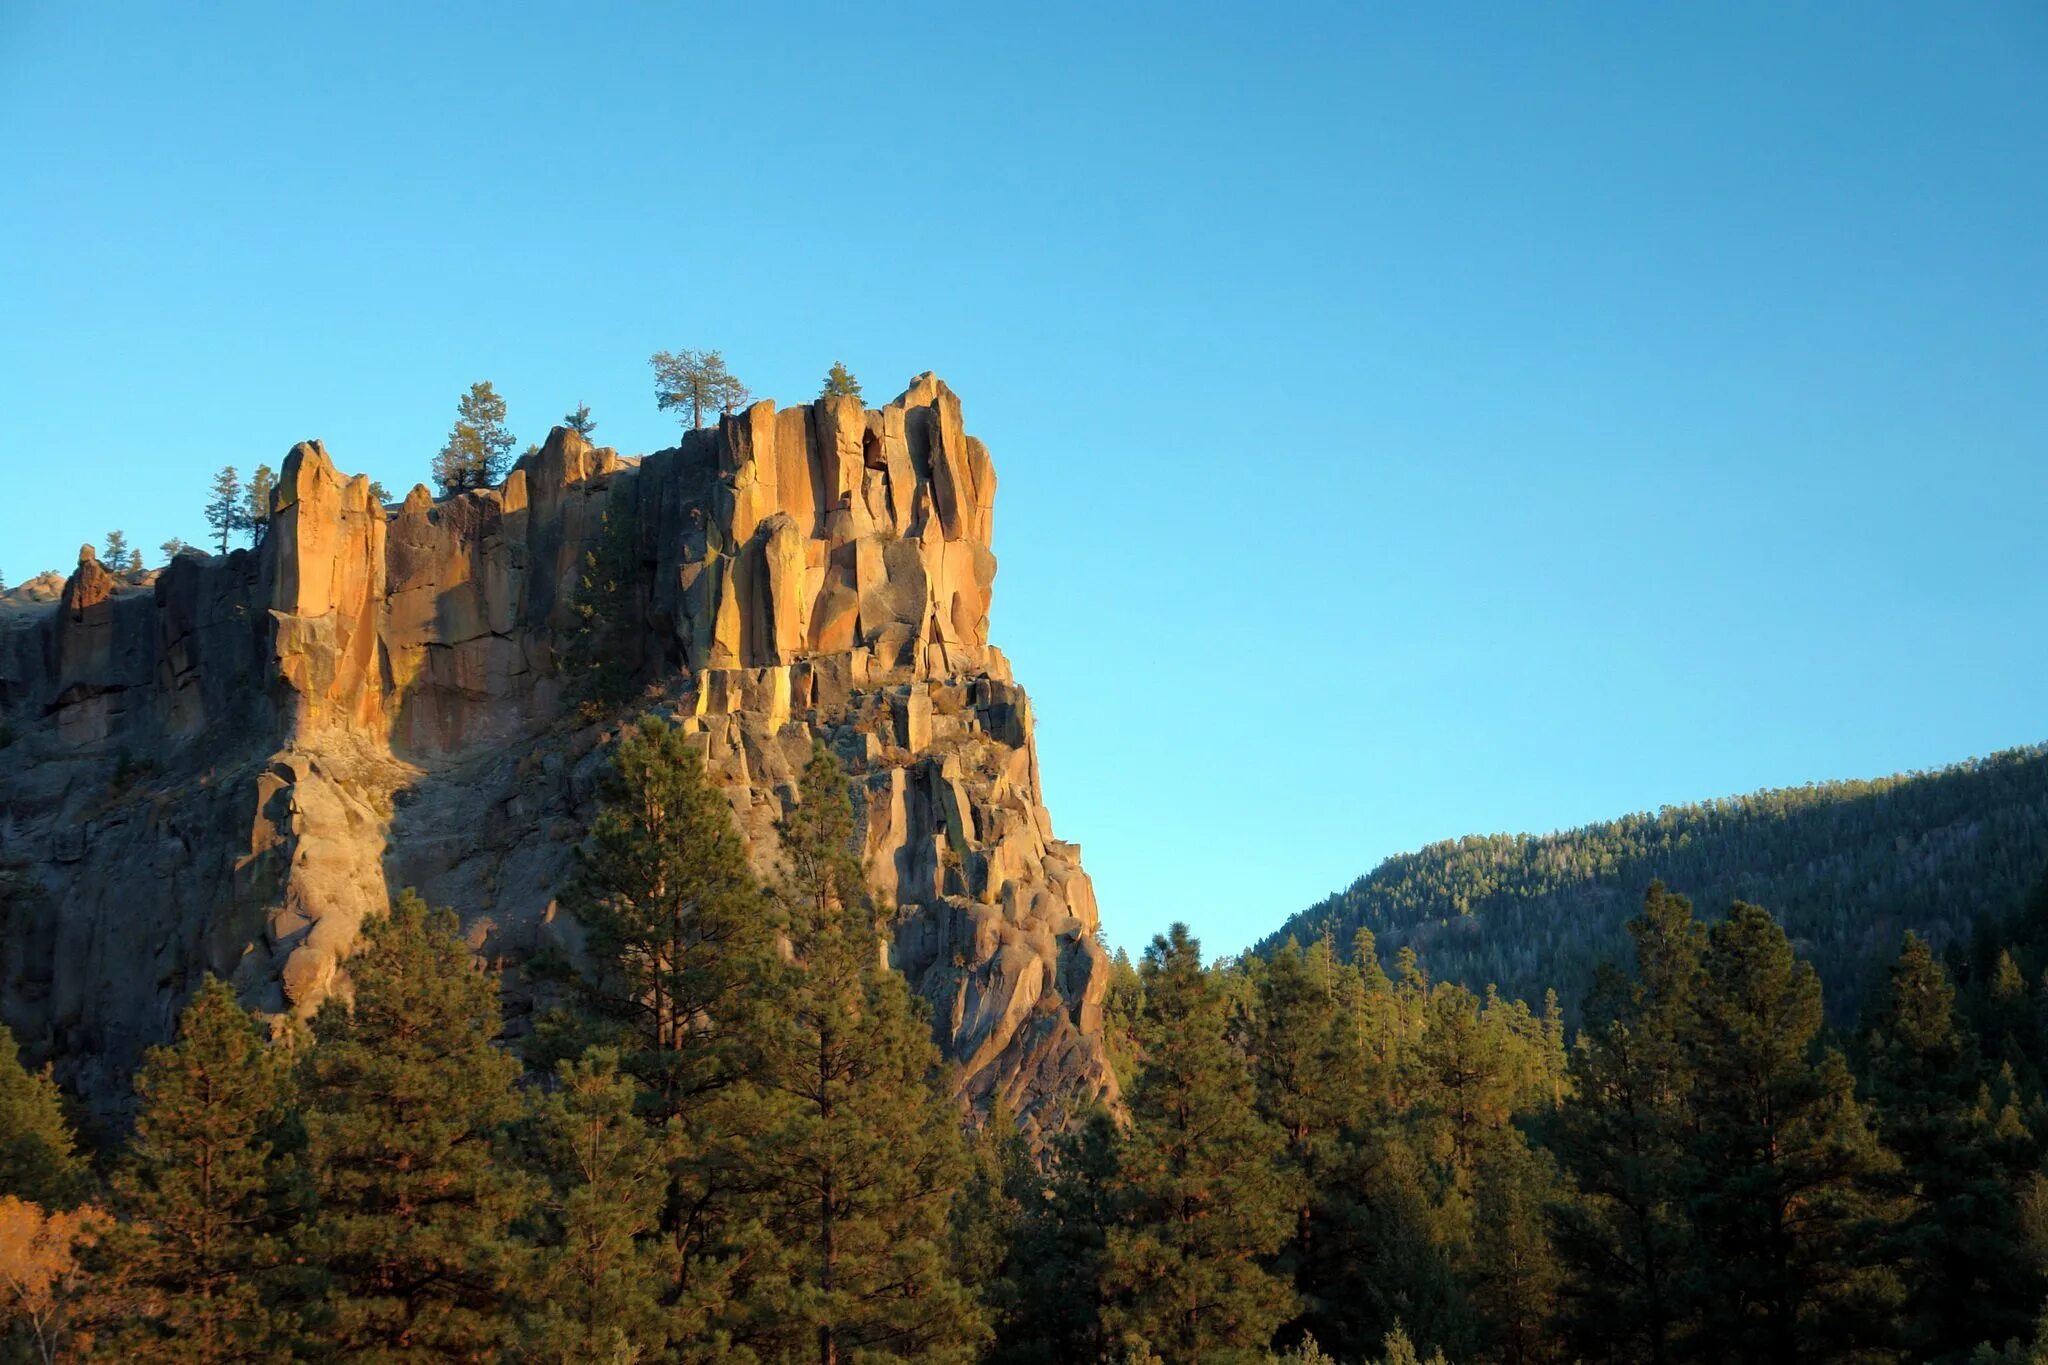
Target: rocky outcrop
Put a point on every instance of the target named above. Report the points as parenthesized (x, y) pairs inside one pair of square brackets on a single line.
[(227, 766)]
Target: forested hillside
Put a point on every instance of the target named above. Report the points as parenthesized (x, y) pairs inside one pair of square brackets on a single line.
[(1846, 867)]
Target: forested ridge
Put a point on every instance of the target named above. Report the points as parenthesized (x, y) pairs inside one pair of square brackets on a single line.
[(732, 1139), (1845, 866)]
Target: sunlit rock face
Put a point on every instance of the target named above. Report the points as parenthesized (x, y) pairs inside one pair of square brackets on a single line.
[(227, 765)]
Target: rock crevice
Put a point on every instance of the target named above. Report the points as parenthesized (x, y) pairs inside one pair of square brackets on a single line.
[(228, 764)]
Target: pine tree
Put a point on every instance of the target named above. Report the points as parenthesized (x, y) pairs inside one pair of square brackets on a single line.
[(406, 1101), (477, 447), (1206, 1199), (203, 1194), (39, 1159), (1785, 1191), (1968, 1274), (1309, 1066), (851, 1159), (580, 421), (1622, 1137), (677, 926), (224, 507), (597, 1289), (695, 382), (1515, 1271), (1055, 1312), (840, 383), (255, 515), (115, 554)]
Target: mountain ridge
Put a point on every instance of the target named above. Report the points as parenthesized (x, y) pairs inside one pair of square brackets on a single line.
[(1527, 911)]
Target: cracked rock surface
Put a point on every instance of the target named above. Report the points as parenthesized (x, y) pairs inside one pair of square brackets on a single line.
[(228, 764)]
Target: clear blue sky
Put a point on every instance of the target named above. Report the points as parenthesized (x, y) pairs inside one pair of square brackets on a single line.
[(1412, 420)]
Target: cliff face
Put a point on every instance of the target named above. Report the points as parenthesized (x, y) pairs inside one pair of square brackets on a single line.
[(228, 765)]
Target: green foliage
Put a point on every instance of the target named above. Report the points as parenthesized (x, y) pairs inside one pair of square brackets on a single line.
[(256, 498), (1787, 1187), (224, 507), (1625, 1238), (1204, 1199), (1846, 866), (850, 1156), (600, 1275), (204, 1195), (39, 1158), (840, 383), (677, 927), (407, 1101), (580, 420), (116, 554), (599, 655), (1962, 1246), (475, 454), (695, 382)]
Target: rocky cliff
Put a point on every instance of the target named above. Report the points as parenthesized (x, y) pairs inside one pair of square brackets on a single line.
[(228, 764)]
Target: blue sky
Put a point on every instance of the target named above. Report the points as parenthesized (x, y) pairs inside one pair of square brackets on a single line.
[(1411, 420)]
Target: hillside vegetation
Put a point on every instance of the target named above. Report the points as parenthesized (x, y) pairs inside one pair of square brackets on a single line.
[(1846, 867)]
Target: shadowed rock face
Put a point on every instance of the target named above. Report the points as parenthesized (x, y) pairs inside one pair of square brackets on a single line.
[(228, 764)]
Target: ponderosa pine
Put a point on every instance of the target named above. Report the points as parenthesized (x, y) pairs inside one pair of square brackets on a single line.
[(192, 1274), (849, 1157), (1786, 1179), (1969, 1276), (596, 1290), (407, 1101), (1624, 1236), (1205, 1199)]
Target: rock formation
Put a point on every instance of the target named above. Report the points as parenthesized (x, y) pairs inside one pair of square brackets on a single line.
[(227, 765)]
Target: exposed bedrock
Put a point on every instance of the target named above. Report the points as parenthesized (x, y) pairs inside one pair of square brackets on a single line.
[(227, 764)]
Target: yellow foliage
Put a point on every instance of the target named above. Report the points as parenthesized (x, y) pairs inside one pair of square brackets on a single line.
[(39, 1270)]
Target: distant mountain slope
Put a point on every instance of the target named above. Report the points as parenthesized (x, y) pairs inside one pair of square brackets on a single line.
[(1846, 866)]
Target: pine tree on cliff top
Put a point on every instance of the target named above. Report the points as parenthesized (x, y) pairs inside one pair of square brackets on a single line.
[(203, 1195), (1205, 1200), (696, 382), (39, 1159), (840, 383), (851, 1159), (224, 507), (406, 1099), (478, 446)]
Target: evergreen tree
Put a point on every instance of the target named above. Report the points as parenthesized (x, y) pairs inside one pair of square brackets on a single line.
[(39, 1159), (695, 382), (1786, 1173), (676, 924), (1969, 1276), (255, 515), (1309, 1067), (406, 1101), (840, 383), (1624, 1238), (224, 507), (116, 554), (174, 547), (580, 421), (477, 447), (597, 1291), (1054, 1311), (1515, 1270), (851, 1158), (1206, 1200), (203, 1194)]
